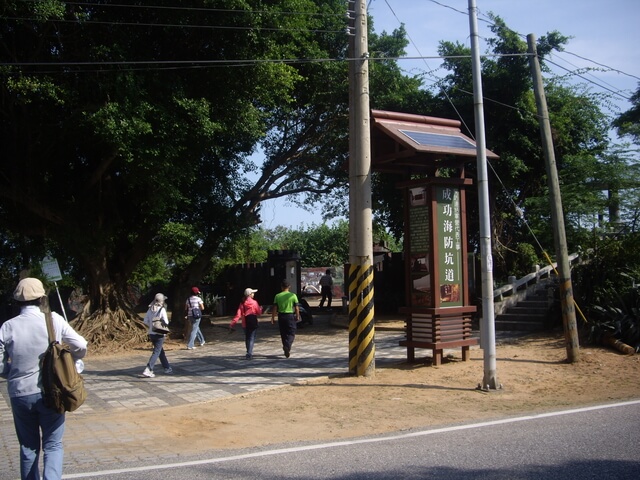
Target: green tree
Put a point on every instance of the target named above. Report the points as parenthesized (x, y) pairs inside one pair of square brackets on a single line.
[(391, 89), (520, 211), (109, 135), (135, 119), (628, 123)]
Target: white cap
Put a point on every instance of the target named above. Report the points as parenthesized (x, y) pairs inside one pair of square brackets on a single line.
[(160, 298), (249, 291)]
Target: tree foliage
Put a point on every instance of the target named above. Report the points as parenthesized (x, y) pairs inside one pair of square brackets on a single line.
[(116, 121), (321, 245), (520, 210), (628, 123), (141, 141)]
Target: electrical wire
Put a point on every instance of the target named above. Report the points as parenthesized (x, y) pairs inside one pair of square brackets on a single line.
[(590, 81), (420, 53), (497, 176), (235, 62), (172, 25), (559, 53), (196, 9), (611, 69)]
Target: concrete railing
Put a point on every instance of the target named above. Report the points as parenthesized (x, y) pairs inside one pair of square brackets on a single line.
[(517, 289)]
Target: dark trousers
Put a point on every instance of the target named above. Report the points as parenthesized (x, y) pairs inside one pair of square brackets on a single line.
[(287, 326), (327, 294)]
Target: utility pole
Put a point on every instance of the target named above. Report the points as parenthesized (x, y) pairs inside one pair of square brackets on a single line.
[(487, 323), (557, 217), (359, 278)]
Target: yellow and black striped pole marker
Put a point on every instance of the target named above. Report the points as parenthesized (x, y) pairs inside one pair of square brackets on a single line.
[(361, 322)]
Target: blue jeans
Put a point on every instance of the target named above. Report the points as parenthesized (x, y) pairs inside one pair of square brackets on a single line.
[(251, 323), (195, 330), (158, 351), (29, 416)]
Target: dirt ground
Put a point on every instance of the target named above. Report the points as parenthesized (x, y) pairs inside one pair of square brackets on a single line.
[(532, 370)]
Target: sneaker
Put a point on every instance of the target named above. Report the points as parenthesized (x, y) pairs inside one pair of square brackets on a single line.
[(148, 373), (168, 370), (191, 348), (287, 353), (248, 357), (202, 343)]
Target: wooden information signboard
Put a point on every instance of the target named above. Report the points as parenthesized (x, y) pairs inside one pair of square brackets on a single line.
[(438, 312), (428, 156)]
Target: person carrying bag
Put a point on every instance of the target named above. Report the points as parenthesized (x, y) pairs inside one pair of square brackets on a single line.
[(157, 315)]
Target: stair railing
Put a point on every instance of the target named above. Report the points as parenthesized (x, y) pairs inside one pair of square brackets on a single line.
[(517, 289)]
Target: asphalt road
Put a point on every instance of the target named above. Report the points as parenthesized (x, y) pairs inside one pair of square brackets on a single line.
[(600, 442)]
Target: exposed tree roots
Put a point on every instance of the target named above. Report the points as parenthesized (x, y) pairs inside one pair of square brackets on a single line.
[(111, 331)]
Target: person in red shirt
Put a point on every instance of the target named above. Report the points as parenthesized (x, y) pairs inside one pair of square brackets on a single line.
[(248, 311)]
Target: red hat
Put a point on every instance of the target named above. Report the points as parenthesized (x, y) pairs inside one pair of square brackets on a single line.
[(195, 290)]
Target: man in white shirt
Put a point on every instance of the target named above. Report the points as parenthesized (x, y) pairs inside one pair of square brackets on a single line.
[(23, 341)]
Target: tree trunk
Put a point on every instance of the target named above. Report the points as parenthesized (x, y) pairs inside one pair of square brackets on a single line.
[(192, 276), (109, 321), (622, 347)]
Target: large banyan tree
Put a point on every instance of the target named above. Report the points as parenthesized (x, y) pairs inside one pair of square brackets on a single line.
[(116, 120)]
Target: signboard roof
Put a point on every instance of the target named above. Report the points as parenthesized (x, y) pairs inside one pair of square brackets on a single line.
[(406, 141)]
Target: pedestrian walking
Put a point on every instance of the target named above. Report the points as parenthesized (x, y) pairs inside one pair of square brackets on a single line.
[(326, 288), (157, 311), (285, 305), (23, 341), (194, 308), (248, 311)]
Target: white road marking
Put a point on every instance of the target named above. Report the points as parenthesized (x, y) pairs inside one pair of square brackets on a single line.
[(321, 446)]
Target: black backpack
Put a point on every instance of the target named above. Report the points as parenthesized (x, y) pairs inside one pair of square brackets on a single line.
[(62, 384)]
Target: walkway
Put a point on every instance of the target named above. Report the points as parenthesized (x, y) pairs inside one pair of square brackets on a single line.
[(216, 370)]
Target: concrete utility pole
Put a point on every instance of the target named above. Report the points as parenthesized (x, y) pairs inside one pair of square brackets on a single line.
[(359, 279), (557, 217), (487, 323)]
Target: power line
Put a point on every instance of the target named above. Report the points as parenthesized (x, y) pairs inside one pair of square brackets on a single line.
[(250, 61), (615, 92), (602, 65), (420, 53), (236, 61), (463, 12), (172, 25), (196, 9), (559, 52), (587, 71), (490, 22)]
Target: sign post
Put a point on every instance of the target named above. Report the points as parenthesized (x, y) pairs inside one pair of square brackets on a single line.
[(51, 270)]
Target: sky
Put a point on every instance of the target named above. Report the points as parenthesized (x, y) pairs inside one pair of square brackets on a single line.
[(605, 33)]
